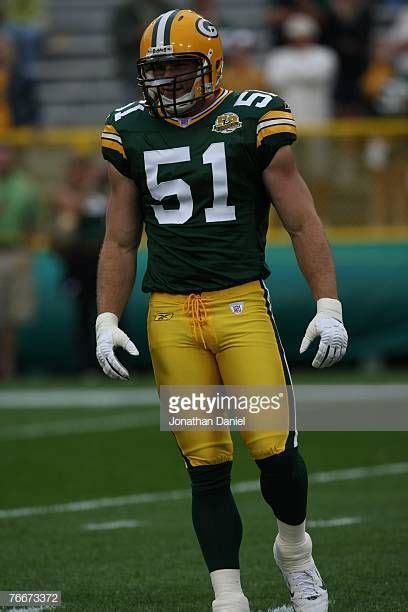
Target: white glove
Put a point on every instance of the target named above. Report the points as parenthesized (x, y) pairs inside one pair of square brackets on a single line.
[(108, 335), (328, 324)]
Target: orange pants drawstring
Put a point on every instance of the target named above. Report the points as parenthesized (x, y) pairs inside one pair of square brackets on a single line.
[(195, 308)]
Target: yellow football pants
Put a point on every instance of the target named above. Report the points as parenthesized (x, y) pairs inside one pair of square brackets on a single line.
[(218, 337)]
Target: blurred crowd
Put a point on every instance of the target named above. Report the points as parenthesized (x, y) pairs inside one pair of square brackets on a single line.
[(325, 57), (71, 217), (338, 57), (22, 31)]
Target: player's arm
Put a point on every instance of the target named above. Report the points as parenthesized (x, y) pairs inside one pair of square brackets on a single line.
[(116, 270), (117, 261), (294, 205)]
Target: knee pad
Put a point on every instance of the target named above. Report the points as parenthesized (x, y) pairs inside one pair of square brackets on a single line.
[(284, 485), (282, 463), (206, 479)]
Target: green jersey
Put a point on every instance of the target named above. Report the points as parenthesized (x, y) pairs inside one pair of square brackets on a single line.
[(204, 204)]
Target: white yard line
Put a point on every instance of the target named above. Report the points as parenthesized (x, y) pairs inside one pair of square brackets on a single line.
[(31, 609), (341, 521), (131, 524), (55, 399), (349, 392), (28, 609), (102, 399), (388, 469), (64, 427), (97, 400), (113, 525), (96, 504)]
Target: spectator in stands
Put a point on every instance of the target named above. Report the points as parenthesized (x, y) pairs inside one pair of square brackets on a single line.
[(6, 62), (20, 218), (240, 71), (379, 73), (302, 71), (18, 103), (25, 22), (128, 23), (347, 29), (278, 12), (393, 97), (78, 230)]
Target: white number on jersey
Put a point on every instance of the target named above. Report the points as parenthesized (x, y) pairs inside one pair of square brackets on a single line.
[(220, 211), (247, 98), (126, 110), (214, 155), (177, 187)]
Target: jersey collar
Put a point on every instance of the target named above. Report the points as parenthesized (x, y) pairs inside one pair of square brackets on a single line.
[(184, 122)]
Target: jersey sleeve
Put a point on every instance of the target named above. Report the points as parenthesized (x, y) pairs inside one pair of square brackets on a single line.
[(112, 147), (275, 128)]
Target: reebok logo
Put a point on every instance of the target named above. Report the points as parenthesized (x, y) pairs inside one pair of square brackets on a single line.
[(163, 316)]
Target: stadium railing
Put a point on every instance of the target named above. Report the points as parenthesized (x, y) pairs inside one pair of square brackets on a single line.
[(356, 169)]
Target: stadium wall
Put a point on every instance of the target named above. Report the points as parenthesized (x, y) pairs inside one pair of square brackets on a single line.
[(372, 285)]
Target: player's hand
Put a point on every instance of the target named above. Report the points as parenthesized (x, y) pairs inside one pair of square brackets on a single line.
[(328, 324), (108, 336)]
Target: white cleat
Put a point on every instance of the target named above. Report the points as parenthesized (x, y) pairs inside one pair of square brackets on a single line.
[(232, 603), (306, 587)]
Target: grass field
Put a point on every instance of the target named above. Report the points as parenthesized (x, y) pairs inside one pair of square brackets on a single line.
[(95, 503)]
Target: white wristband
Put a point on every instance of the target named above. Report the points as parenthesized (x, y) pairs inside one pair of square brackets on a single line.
[(330, 307)]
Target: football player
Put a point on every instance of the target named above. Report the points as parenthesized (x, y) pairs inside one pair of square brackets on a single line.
[(197, 166)]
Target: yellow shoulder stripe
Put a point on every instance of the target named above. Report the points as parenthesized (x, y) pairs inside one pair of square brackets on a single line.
[(277, 115), (110, 129), (116, 146), (275, 129)]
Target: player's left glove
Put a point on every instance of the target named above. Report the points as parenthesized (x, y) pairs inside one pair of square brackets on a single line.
[(328, 324), (108, 336)]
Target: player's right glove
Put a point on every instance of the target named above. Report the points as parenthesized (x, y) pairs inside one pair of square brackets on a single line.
[(328, 324), (108, 335)]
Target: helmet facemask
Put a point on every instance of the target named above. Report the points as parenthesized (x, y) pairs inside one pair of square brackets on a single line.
[(164, 95)]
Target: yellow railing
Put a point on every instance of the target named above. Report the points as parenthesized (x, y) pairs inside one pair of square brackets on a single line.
[(357, 170), (362, 127), (88, 137)]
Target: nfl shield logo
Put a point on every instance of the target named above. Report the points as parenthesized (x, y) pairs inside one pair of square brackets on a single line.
[(237, 307)]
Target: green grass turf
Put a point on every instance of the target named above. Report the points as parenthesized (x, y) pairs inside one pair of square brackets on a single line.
[(158, 566), (141, 378)]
